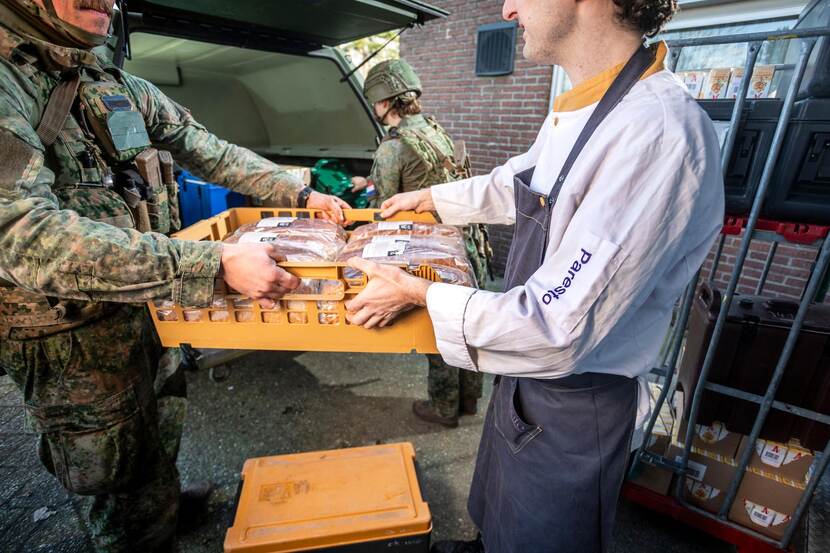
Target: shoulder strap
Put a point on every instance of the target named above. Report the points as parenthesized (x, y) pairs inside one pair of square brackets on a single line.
[(58, 108)]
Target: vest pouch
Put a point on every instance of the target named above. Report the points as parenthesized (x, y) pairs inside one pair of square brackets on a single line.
[(97, 203), (114, 119), (158, 208), (158, 202)]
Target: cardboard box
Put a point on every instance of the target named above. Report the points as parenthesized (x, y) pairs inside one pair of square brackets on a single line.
[(717, 84), (765, 505), (650, 477), (735, 81), (708, 479), (759, 86), (694, 81), (786, 463), (714, 441)]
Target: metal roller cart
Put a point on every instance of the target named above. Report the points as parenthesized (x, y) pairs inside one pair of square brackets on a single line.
[(706, 371)]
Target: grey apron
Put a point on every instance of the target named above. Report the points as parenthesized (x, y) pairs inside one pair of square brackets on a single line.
[(553, 452)]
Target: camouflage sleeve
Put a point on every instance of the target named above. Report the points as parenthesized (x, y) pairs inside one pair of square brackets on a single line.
[(172, 127), (56, 252), (386, 170)]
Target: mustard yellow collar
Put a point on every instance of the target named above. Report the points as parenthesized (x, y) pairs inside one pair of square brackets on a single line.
[(592, 90)]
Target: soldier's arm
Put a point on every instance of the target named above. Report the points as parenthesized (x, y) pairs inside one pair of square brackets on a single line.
[(56, 252), (172, 127), (386, 170)]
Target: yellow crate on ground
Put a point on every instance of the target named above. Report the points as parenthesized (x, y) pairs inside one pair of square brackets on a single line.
[(299, 322)]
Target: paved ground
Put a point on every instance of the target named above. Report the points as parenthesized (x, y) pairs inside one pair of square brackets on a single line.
[(277, 403)]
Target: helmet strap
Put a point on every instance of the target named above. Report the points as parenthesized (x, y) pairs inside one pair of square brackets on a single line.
[(382, 120), (50, 7)]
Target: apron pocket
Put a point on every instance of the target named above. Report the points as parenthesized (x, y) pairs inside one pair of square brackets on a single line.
[(508, 421)]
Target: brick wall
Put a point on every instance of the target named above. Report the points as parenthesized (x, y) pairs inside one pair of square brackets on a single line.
[(498, 117), (788, 274)]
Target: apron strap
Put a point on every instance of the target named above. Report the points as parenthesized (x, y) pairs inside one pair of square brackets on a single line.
[(634, 69)]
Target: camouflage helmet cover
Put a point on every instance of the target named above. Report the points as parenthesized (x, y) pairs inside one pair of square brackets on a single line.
[(390, 79)]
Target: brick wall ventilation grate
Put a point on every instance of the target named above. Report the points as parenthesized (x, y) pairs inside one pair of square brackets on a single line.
[(496, 49)]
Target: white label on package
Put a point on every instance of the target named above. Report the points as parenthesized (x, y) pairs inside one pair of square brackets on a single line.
[(712, 434), (258, 238), (272, 222), (701, 491), (773, 454), (696, 470), (763, 516), (395, 225), (384, 249)]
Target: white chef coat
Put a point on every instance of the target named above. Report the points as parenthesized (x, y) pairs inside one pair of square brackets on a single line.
[(637, 216)]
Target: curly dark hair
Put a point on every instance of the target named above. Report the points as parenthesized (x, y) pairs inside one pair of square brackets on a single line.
[(645, 16)]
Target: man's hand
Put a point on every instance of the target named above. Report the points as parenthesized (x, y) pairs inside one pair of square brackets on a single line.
[(390, 292), (332, 207), (359, 183), (418, 201), (251, 270)]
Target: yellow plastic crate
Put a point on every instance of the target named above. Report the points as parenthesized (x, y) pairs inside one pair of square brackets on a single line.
[(306, 322), (358, 500)]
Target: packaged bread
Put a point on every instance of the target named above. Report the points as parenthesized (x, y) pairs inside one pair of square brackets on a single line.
[(306, 240), (450, 245), (446, 255), (409, 228)]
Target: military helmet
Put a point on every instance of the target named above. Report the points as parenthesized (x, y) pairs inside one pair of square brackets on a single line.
[(390, 79)]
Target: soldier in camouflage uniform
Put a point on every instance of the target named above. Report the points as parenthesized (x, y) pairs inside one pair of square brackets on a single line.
[(74, 271), (417, 153)]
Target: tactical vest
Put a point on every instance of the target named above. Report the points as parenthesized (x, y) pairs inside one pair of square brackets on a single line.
[(105, 169), (435, 151), (448, 162)]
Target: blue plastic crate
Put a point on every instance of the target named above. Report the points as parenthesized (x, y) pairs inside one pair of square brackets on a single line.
[(199, 199)]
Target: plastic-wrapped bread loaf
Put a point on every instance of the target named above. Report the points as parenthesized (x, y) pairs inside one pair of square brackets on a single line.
[(297, 239), (408, 228), (446, 255)]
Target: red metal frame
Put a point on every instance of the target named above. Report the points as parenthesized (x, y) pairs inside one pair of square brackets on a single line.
[(672, 508), (797, 233)]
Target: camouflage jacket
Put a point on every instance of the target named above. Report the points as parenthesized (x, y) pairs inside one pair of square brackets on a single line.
[(58, 238), (400, 167), (413, 157)]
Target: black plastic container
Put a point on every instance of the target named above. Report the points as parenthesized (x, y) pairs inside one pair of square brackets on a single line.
[(747, 354)]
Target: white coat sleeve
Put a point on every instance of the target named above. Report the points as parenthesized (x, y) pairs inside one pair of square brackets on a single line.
[(634, 223), (487, 198)]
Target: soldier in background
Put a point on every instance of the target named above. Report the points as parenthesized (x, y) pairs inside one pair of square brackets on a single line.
[(77, 204), (418, 153)]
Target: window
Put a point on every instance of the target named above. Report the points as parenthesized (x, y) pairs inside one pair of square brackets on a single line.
[(781, 54), (496, 49)]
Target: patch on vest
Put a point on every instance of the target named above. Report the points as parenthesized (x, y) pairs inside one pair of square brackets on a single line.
[(21, 162)]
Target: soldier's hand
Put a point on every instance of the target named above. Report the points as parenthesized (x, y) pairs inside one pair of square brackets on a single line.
[(332, 207), (418, 201), (359, 183), (251, 270)]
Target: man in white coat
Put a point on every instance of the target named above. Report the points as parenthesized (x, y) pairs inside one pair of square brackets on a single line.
[(615, 207)]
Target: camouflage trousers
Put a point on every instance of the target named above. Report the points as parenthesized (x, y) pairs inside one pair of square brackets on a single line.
[(109, 418), (448, 385)]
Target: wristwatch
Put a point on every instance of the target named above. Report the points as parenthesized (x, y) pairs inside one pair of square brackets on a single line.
[(302, 197)]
